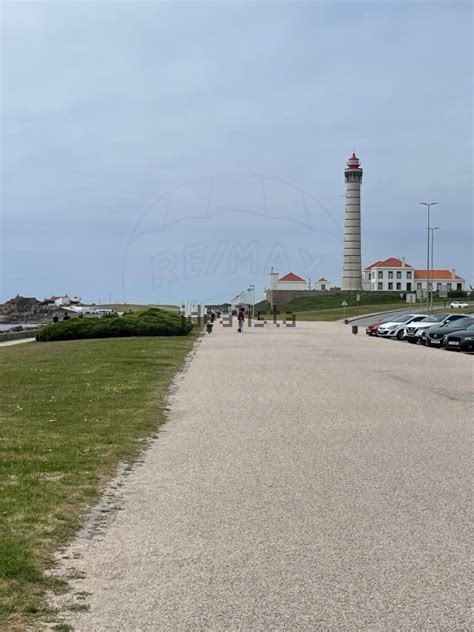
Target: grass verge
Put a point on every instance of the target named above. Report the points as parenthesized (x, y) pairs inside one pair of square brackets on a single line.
[(69, 413), (338, 313)]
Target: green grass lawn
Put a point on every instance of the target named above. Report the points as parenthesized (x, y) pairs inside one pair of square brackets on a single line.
[(338, 313), (69, 413), (351, 311)]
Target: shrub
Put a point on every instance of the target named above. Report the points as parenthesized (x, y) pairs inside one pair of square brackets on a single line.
[(457, 294), (149, 322)]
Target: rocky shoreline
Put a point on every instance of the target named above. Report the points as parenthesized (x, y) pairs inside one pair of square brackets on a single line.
[(23, 310)]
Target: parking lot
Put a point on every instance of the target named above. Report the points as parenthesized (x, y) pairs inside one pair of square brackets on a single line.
[(450, 329)]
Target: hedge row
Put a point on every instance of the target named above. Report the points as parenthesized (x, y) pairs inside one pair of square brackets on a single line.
[(149, 322)]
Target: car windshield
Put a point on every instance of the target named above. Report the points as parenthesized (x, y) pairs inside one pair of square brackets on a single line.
[(434, 319), (460, 323), (438, 317), (402, 319)]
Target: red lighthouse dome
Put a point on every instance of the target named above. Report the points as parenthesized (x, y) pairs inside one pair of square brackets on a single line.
[(353, 162)]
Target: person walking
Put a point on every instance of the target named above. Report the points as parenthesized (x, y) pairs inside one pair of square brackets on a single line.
[(241, 320)]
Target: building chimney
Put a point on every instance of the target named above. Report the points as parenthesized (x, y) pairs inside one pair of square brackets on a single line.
[(404, 265), (273, 279), (453, 273)]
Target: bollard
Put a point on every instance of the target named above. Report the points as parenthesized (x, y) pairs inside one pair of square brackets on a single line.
[(346, 322), (355, 329)]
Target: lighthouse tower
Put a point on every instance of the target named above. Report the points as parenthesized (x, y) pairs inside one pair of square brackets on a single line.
[(352, 270)]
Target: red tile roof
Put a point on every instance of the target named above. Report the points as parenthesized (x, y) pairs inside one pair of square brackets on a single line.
[(391, 262), (291, 277), (438, 275)]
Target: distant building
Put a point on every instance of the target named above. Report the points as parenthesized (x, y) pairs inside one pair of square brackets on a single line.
[(287, 282), (396, 275), (441, 279), (322, 285), (61, 301)]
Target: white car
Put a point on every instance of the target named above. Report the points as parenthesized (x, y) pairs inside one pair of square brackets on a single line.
[(416, 332), (396, 328), (458, 305)]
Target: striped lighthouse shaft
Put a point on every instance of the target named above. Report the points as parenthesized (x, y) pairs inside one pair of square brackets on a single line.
[(352, 269)]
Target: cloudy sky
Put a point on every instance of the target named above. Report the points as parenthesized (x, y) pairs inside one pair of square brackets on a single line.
[(177, 151)]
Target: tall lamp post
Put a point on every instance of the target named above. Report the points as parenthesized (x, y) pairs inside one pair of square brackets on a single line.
[(428, 206), (432, 230), (251, 289)]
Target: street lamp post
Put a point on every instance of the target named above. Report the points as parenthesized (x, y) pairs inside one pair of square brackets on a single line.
[(251, 289), (428, 287), (432, 230)]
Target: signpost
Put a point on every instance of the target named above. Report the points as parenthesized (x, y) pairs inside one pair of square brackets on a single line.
[(344, 305)]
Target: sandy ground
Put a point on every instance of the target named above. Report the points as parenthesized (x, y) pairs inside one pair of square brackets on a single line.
[(307, 479)]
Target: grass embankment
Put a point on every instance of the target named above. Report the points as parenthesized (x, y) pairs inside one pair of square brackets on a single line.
[(69, 413), (353, 312), (149, 322), (337, 313), (328, 306)]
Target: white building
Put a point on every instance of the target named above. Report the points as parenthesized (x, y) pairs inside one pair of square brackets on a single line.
[(442, 279), (322, 285), (289, 281), (396, 275), (60, 301)]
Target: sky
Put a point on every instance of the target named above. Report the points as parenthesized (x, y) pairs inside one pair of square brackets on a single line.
[(170, 152)]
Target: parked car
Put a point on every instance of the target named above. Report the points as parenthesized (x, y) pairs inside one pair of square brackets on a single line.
[(396, 328), (467, 343), (434, 335), (416, 332), (371, 330), (458, 305), (453, 340)]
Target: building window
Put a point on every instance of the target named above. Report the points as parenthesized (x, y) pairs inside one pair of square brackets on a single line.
[(399, 275), (438, 287), (449, 287), (390, 285), (380, 286), (409, 274), (380, 274), (390, 274), (408, 287), (323, 287), (399, 286), (370, 275), (459, 286), (419, 286)]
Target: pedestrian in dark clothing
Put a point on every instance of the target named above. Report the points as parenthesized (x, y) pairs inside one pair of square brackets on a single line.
[(241, 320)]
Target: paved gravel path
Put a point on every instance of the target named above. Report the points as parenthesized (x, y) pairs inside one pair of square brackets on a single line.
[(307, 479), (9, 343)]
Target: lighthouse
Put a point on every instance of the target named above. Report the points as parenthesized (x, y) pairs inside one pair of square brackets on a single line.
[(352, 269)]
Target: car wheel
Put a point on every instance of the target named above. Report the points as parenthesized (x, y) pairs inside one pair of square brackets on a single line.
[(400, 334)]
